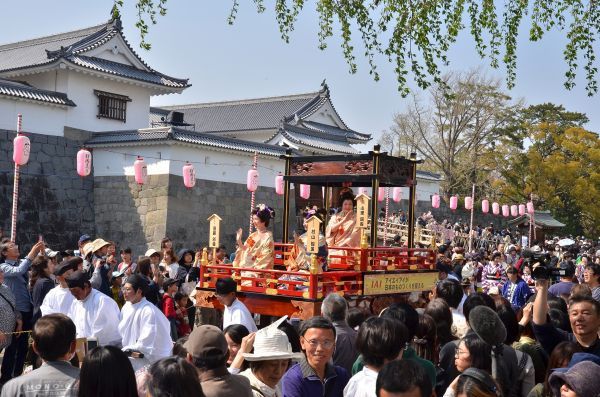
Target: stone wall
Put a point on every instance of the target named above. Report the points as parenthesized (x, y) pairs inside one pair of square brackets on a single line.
[(139, 217), (53, 200)]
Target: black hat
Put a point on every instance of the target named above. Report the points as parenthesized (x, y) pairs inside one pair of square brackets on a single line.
[(78, 279), (167, 283), (224, 286), (65, 266), (567, 269)]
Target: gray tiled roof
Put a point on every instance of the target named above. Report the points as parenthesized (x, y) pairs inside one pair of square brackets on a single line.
[(540, 218), (242, 115), (27, 92), (71, 46), (315, 140), (349, 135), (120, 69), (178, 134)]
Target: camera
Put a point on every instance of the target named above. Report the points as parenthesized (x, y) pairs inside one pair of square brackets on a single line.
[(545, 270)]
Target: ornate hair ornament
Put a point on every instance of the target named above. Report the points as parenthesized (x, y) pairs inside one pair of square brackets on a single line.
[(264, 209)]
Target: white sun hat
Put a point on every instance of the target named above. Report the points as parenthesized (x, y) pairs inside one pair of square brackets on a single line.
[(272, 343)]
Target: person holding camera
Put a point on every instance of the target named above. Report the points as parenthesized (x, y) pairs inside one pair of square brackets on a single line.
[(584, 316), (566, 271)]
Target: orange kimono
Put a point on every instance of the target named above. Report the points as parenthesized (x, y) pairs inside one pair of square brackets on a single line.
[(255, 254)]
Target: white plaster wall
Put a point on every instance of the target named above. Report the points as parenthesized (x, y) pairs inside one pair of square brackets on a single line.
[(325, 115), (41, 119), (119, 161), (163, 159), (81, 91)]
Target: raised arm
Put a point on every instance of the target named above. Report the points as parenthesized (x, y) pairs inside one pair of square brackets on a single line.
[(540, 305)]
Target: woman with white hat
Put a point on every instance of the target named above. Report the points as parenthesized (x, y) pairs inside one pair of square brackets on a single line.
[(270, 360)]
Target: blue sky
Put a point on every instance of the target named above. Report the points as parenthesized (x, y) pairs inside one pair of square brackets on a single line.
[(249, 60)]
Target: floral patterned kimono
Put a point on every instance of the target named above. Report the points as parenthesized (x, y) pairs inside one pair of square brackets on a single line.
[(255, 254), (343, 234), (299, 260), (493, 275)]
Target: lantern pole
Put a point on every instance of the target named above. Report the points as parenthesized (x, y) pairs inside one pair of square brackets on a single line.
[(387, 208), (471, 227), (13, 227), (253, 195)]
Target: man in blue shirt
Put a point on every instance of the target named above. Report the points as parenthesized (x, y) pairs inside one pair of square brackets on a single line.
[(17, 279)]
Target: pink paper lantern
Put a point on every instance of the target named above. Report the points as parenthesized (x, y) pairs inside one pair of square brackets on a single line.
[(485, 206), (435, 201), (521, 209), (468, 202), (505, 210), (397, 194), (305, 191), (381, 194), (495, 208), (453, 203), (279, 184), (189, 175), (21, 149), (252, 180), (84, 162), (530, 209), (141, 171), (514, 210)]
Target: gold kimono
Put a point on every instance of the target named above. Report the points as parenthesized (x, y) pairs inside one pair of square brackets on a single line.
[(342, 232), (255, 254)]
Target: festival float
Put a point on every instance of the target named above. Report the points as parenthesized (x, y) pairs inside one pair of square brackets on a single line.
[(368, 275)]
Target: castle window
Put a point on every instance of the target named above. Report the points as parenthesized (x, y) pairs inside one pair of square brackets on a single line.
[(112, 106)]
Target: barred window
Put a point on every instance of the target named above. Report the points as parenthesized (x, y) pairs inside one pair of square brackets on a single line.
[(112, 106)]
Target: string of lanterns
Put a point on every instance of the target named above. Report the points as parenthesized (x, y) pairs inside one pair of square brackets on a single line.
[(507, 211)]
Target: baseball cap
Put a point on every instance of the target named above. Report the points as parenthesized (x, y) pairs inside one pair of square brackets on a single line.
[(206, 341), (50, 254), (151, 252), (84, 238)]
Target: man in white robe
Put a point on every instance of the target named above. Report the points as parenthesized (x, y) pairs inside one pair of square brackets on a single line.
[(144, 328), (95, 314), (59, 299)]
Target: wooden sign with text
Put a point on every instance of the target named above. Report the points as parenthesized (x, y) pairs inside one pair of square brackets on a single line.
[(362, 211), (214, 231), (312, 234)]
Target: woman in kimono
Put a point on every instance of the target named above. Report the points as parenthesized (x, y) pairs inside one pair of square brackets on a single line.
[(341, 230), (299, 259), (258, 250)]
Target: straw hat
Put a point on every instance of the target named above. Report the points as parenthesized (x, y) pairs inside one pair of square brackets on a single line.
[(98, 243), (272, 343), (86, 249)]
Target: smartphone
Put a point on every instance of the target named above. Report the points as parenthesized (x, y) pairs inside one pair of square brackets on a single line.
[(92, 343)]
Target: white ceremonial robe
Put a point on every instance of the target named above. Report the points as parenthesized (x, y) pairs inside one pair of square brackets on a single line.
[(146, 329), (57, 300), (238, 313), (97, 317)]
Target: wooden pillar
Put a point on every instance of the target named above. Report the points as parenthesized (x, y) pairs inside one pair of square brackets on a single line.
[(412, 201), (374, 189), (286, 194)]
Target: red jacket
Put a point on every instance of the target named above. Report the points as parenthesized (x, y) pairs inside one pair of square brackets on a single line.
[(168, 307)]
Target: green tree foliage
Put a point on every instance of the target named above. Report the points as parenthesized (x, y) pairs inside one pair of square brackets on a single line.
[(560, 167), (416, 35)]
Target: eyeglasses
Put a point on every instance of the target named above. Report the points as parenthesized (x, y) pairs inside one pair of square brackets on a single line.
[(459, 352), (314, 343)]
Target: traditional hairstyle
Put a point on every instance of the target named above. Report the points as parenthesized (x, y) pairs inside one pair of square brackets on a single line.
[(264, 213), (346, 194)]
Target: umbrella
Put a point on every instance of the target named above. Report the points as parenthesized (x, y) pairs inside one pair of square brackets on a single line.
[(565, 242)]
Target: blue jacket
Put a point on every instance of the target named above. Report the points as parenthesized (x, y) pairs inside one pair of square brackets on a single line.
[(521, 294), (301, 381), (17, 279)]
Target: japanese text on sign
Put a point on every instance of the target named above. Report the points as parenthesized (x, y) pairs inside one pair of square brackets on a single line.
[(379, 284)]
